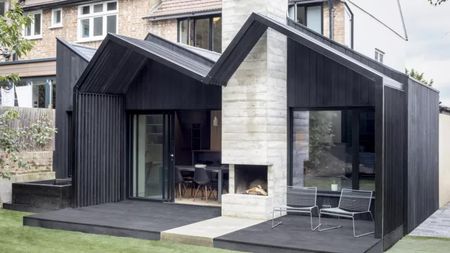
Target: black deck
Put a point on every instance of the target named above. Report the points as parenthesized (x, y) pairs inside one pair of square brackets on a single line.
[(294, 235), (139, 219)]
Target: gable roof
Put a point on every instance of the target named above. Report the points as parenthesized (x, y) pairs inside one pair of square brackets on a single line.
[(122, 54), (84, 52), (170, 9)]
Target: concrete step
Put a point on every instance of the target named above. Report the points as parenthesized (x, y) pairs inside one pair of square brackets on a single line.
[(203, 233)]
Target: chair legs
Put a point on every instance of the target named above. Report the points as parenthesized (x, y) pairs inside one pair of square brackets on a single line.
[(327, 228), (363, 234), (275, 224)]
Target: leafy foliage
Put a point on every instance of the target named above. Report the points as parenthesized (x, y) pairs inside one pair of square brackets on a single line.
[(419, 76), (13, 140), (320, 135), (436, 2), (11, 38)]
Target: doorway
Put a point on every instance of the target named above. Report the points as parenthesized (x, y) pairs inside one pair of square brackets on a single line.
[(152, 156)]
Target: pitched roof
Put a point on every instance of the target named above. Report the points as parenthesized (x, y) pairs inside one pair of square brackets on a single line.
[(84, 52), (119, 54), (169, 9)]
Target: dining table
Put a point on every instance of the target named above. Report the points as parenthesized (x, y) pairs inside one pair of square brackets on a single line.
[(219, 169)]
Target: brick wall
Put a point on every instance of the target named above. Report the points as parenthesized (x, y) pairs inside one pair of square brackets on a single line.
[(130, 23), (339, 19)]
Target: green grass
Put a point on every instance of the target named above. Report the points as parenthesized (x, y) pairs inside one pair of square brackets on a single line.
[(17, 238), (415, 244)]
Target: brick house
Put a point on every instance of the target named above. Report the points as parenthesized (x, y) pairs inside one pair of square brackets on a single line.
[(193, 22)]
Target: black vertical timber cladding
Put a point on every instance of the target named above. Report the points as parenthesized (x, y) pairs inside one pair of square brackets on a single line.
[(395, 154), (100, 156), (423, 167), (69, 67), (158, 87), (317, 81)]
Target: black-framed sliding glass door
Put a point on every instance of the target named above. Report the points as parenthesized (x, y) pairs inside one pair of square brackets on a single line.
[(152, 156)]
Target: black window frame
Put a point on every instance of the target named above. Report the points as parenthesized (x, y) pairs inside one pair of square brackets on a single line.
[(355, 173), (192, 20), (307, 5)]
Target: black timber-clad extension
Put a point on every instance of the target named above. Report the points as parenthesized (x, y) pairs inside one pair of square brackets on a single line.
[(100, 157), (423, 154), (128, 75), (70, 64)]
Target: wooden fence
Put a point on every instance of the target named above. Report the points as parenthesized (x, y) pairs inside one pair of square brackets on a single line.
[(29, 116)]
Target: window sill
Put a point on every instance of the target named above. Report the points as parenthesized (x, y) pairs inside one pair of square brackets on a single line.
[(89, 40), (33, 37), (55, 27)]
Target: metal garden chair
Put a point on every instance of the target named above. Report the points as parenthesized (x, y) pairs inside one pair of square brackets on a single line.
[(352, 203), (299, 200)]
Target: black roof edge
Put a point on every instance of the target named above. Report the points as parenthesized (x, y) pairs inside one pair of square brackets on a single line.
[(263, 23), (72, 47), (178, 48), (388, 71), (28, 61), (52, 4), (117, 39)]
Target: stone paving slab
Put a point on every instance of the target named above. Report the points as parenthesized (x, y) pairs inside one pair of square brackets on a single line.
[(437, 225), (203, 233)]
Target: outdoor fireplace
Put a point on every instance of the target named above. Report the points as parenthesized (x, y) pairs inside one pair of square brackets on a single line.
[(251, 179)]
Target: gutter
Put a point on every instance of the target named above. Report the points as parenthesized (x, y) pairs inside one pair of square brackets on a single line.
[(331, 19)]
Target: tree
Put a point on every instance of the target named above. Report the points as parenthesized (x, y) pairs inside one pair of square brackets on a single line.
[(419, 76), (11, 38), (436, 2)]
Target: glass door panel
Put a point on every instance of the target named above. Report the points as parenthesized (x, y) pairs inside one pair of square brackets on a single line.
[(148, 156)]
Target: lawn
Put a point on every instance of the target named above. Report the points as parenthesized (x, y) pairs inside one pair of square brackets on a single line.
[(414, 244), (17, 238)]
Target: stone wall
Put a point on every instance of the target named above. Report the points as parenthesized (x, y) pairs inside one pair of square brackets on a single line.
[(254, 113), (130, 23), (40, 168)]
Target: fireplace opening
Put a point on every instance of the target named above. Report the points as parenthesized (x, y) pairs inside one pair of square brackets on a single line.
[(251, 179)]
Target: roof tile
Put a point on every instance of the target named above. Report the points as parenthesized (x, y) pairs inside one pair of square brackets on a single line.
[(170, 8)]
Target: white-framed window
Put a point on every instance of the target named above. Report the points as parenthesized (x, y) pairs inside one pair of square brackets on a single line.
[(34, 30), (3, 7), (379, 55), (96, 20), (57, 20)]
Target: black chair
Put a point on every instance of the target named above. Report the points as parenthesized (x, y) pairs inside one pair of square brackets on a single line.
[(182, 182), (202, 179)]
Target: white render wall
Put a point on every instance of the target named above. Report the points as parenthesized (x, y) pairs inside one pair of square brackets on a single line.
[(254, 108), (370, 34)]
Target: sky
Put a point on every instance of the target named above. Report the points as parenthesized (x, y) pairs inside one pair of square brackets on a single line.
[(428, 49)]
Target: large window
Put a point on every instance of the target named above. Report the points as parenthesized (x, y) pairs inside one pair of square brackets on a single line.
[(333, 149), (96, 20), (34, 31), (203, 32), (308, 15)]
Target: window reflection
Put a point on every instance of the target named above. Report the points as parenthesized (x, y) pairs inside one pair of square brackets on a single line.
[(325, 153)]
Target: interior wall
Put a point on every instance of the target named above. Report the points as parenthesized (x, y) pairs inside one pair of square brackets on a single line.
[(444, 159), (216, 130)]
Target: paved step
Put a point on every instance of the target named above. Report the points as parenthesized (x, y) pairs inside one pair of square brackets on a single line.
[(203, 233)]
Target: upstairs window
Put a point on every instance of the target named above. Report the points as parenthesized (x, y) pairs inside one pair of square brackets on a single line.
[(96, 20), (34, 31), (57, 17), (379, 55), (203, 32), (2, 7), (308, 15)]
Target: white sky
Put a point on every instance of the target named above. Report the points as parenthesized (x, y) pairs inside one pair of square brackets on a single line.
[(429, 42)]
